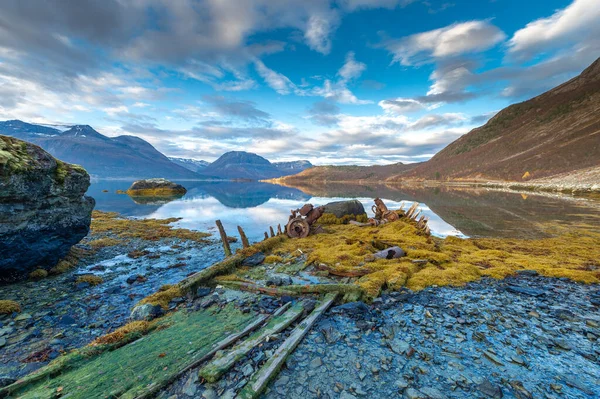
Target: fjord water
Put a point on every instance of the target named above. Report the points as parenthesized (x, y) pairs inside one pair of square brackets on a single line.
[(452, 211)]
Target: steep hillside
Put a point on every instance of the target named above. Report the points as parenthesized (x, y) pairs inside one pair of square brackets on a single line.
[(347, 173), (245, 165), (554, 133), (101, 156)]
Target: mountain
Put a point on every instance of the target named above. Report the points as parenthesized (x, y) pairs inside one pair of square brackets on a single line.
[(245, 165), (557, 132), (293, 167), (190, 164), (347, 173), (101, 156)]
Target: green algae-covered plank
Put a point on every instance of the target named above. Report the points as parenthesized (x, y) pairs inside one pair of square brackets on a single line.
[(259, 381), (128, 371), (213, 370)]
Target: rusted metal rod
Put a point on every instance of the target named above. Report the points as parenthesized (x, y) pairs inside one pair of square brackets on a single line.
[(226, 246)]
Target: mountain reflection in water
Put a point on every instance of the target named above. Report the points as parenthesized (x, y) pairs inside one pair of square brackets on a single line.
[(255, 206)]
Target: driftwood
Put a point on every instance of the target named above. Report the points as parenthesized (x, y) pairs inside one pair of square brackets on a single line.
[(296, 290), (272, 231), (245, 242), (344, 273), (213, 370), (259, 381), (226, 246)]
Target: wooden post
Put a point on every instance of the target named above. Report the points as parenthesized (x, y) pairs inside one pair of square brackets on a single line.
[(226, 247), (279, 229), (266, 236), (272, 231), (245, 242)]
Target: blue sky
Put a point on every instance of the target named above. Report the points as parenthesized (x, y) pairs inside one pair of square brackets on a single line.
[(331, 81)]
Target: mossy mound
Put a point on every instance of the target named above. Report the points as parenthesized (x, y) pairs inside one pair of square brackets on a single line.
[(38, 274), (8, 307), (347, 251)]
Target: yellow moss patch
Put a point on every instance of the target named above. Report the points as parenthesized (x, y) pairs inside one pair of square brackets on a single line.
[(330, 218), (70, 261), (38, 274), (273, 259), (155, 192), (8, 307), (116, 336), (121, 192), (90, 279), (348, 250), (163, 296), (145, 229), (103, 243)]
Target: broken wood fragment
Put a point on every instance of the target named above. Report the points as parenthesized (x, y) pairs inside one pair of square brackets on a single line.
[(279, 229), (259, 381), (245, 242), (213, 370), (224, 239), (272, 231)]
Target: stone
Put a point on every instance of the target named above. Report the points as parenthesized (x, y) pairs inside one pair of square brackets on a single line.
[(517, 289), (146, 312), (22, 316), (43, 209), (254, 260), (315, 363), (2, 341), (432, 393), (67, 321), (390, 253), (412, 393), (490, 390), (343, 208), (352, 308), (279, 280), (347, 395), (398, 346), (528, 273), (247, 370), (202, 292)]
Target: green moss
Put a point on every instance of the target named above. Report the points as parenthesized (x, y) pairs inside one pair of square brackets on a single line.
[(132, 370), (90, 279)]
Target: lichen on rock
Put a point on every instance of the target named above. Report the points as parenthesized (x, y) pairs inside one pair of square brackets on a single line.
[(155, 188)]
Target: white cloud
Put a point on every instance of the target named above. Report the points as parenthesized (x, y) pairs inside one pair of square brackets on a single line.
[(318, 31), (577, 22), (452, 40), (401, 105), (112, 111), (352, 69), (357, 4), (277, 81)]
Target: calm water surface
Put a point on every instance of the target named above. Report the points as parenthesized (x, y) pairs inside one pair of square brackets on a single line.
[(256, 206)]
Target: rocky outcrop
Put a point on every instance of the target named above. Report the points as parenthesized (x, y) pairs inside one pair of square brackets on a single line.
[(343, 208), (43, 210), (156, 188)]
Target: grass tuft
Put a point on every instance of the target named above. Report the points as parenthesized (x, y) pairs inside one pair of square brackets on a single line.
[(8, 307)]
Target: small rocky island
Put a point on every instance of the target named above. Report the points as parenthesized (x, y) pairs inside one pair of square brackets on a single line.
[(156, 188), (43, 209)]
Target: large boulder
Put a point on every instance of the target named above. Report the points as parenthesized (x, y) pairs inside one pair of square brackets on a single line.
[(156, 188), (43, 209), (342, 208)]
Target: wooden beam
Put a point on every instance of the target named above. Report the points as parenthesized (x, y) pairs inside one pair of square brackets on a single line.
[(272, 231), (226, 246), (213, 370), (259, 381), (245, 242)]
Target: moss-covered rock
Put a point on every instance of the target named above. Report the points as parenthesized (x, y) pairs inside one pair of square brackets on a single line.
[(43, 209), (156, 188)]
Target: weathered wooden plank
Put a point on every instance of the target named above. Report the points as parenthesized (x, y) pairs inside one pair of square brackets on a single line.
[(259, 381), (245, 242), (152, 390), (212, 371)]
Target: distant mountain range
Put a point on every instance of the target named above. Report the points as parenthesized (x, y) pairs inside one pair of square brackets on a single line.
[(101, 156), (190, 164), (245, 165), (131, 157), (347, 173)]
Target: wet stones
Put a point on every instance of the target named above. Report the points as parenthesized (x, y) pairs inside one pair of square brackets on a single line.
[(490, 390), (525, 290), (343, 208), (352, 308)]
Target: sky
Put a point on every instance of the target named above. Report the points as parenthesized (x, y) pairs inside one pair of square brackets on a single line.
[(331, 81)]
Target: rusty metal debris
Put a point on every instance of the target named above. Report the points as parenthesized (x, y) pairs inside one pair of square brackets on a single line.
[(382, 213), (302, 219)]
